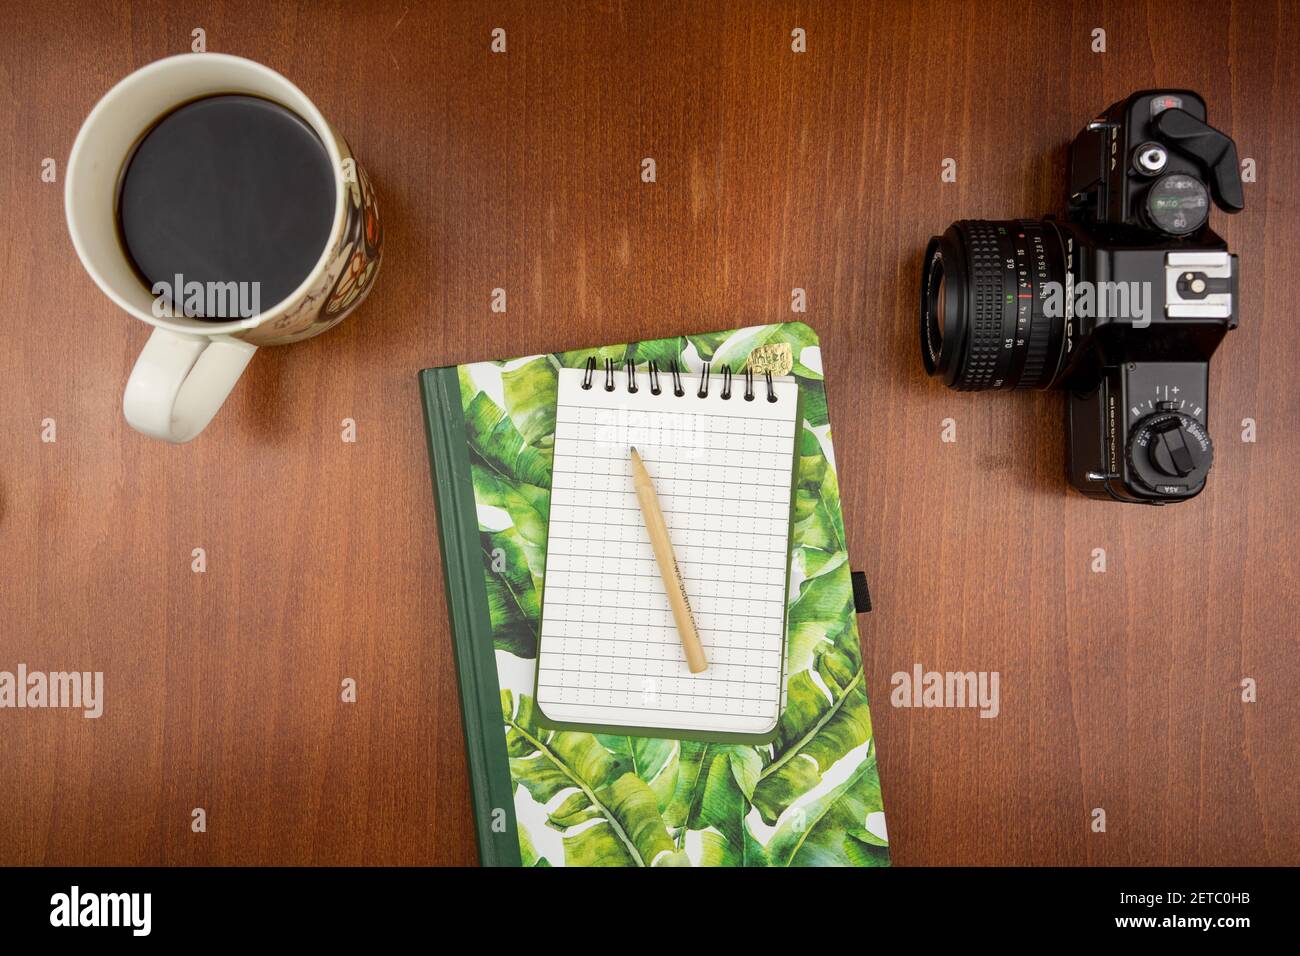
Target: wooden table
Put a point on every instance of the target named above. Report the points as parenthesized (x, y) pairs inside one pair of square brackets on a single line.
[(1120, 690)]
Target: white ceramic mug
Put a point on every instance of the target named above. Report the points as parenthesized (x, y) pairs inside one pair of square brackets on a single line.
[(189, 366)]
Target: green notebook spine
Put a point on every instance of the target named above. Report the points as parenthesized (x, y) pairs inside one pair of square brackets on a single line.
[(471, 626)]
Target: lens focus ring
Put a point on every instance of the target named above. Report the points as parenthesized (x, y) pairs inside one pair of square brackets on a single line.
[(986, 326)]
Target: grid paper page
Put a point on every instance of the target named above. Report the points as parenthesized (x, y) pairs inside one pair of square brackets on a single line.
[(722, 468)]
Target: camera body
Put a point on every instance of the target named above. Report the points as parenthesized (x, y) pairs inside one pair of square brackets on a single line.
[(1121, 305)]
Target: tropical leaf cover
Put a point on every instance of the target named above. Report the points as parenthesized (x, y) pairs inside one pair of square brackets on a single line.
[(812, 796)]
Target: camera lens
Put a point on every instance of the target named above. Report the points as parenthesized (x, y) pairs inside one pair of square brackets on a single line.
[(994, 297), (937, 314)]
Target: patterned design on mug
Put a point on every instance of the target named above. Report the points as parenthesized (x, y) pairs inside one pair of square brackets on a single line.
[(364, 235)]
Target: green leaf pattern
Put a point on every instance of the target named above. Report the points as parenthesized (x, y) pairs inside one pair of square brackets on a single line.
[(812, 796)]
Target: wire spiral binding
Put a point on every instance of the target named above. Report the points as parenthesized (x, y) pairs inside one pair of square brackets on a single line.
[(652, 370)]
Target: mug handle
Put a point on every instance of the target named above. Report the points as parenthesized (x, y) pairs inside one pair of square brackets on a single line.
[(179, 381)]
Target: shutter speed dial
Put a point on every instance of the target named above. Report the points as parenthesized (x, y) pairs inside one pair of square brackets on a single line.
[(1170, 453)]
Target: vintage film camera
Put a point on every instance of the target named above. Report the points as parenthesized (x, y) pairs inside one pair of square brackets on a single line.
[(1121, 305)]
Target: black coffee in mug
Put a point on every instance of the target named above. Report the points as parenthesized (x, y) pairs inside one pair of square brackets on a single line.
[(226, 189)]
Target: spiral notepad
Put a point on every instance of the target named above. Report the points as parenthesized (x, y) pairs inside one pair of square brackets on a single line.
[(720, 450)]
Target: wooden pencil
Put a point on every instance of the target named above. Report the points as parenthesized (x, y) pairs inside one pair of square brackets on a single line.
[(668, 569)]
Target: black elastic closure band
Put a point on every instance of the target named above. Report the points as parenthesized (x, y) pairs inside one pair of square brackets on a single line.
[(861, 595), (586, 377), (609, 375)]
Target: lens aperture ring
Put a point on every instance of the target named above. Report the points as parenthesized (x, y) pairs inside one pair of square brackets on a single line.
[(1039, 330), (1035, 358)]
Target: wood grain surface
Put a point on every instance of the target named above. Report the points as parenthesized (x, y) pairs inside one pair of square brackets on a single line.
[(520, 171)]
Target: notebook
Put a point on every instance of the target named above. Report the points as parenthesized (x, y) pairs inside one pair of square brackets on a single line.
[(543, 796), (721, 455)]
